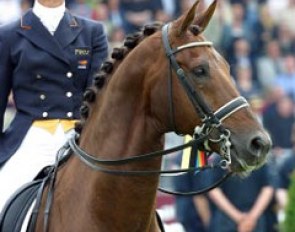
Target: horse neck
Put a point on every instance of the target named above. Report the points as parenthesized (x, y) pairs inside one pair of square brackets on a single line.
[(121, 121), (118, 127)]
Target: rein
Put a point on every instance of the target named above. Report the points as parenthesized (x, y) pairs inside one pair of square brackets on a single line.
[(96, 163)]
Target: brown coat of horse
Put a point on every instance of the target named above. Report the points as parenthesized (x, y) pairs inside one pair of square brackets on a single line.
[(130, 116)]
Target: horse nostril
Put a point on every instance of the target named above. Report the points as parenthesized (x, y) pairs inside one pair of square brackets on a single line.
[(259, 146)]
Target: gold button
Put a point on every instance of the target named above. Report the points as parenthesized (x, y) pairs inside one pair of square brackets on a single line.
[(70, 114), (38, 76), (44, 114)]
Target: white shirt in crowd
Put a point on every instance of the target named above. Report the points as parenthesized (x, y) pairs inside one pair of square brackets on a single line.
[(9, 11)]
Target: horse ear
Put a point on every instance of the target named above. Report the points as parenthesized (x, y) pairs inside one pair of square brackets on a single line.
[(187, 20), (204, 18)]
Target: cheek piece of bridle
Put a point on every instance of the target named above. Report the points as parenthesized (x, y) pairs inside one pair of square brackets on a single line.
[(210, 120)]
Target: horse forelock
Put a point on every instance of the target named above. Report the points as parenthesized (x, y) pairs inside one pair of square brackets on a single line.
[(109, 67)]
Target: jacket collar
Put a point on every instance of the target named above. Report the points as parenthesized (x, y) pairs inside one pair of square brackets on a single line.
[(68, 29)]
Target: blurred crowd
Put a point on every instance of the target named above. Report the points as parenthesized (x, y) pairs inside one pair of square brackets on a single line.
[(257, 38)]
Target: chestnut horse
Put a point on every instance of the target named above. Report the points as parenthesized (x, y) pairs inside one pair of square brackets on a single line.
[(165, 78)]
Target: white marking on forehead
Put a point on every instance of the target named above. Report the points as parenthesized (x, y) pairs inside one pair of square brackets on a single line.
[(195, 44)]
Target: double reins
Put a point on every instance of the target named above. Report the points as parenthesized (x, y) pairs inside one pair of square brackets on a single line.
[(201, 138)]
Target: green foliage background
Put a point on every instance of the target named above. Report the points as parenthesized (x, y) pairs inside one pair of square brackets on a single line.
[(289, 224)]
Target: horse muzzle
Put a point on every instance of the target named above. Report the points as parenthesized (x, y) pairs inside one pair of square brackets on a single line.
[(251, 153)]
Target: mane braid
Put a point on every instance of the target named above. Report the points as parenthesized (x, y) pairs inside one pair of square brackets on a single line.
[(108, 67)]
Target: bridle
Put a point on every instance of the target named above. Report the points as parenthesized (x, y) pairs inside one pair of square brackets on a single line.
[(210, 120), (201, 137)]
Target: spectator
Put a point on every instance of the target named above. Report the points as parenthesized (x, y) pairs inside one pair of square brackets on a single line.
[(271, 98), (193, 212), (262, 31), (222, 16), (237, 28), (25, 5), (270, 65), (279, 121), (245, 84), (286, 15), (82, 8), (100, 12), (252, 11), (170, 7), (275, 7), (9, 11), (287, 79), (241, 57), (48, 58), (241, 203), (115, 17), (69, 3), (285, 172), (285, 37), (117, 35), (137, 13)]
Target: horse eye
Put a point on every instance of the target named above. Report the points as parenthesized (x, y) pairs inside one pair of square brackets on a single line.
[(200, 71)]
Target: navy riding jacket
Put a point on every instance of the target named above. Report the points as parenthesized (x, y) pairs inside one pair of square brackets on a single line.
[(47, 74)]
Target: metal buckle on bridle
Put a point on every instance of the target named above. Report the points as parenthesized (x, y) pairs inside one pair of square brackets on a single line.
[(225, 149), (214, 122), (223, 140)]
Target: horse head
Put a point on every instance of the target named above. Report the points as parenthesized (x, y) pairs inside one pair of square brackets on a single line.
[(190, 84), (170, 78), (210, 75)]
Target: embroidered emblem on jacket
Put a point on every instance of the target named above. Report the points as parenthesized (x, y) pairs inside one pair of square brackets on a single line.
[(82, 64)]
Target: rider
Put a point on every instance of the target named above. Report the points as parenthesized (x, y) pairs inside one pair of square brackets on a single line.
[(47, 60)]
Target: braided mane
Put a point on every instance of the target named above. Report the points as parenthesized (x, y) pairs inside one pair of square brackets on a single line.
[(100, 79)]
